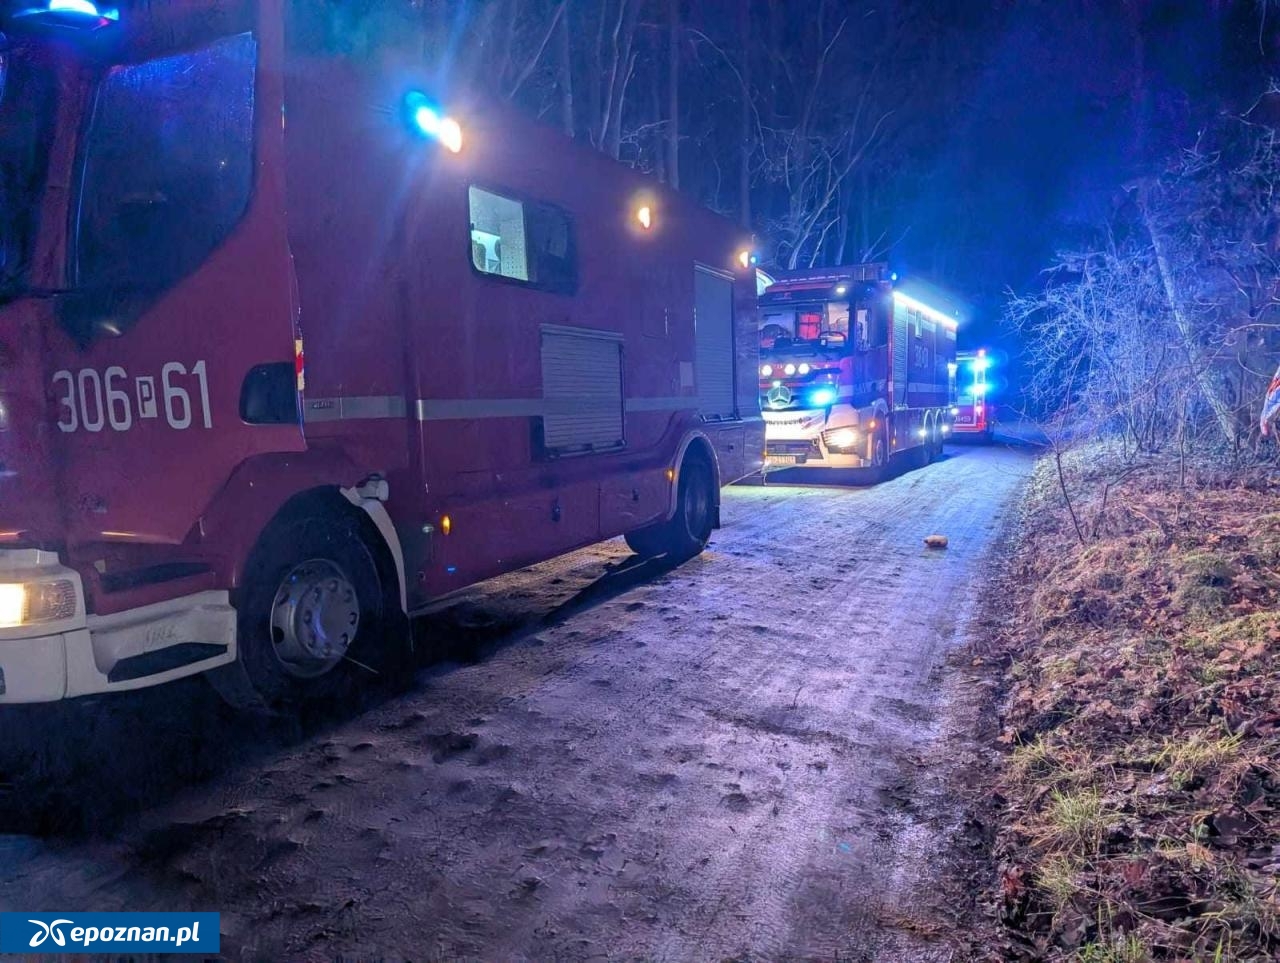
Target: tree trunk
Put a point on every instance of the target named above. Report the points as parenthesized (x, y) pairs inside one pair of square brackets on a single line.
[(1199, 366), (673, 94), (747, 141), (566, 72)]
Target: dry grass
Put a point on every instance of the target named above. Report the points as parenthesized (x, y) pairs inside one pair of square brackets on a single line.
[(1142, 782)]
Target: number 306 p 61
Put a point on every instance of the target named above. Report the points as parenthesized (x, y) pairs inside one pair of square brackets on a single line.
[(91, 401)]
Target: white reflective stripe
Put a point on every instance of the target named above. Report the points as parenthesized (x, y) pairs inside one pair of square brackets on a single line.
[(924, 388), (353, 408), (459, 409)]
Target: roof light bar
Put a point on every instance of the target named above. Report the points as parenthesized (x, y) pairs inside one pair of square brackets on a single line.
[(907, 301)]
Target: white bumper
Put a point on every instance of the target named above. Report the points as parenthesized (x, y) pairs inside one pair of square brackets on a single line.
[(796, 438), (85, 655)]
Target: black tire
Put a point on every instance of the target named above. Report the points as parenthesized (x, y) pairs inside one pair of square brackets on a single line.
[(331, 554), (880, 450), (687, 532), (930, 452)]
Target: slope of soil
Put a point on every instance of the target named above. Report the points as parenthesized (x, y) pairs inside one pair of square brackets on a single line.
[(1141, 815)]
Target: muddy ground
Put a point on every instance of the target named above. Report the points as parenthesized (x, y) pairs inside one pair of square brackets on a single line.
[(751, 756)]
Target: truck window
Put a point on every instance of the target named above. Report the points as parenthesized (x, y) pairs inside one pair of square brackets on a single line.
[(168, 165), (27, 92), (531, 243)]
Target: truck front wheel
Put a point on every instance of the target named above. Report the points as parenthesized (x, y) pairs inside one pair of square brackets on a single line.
[(686, 533), (879, 450), (316, 616)]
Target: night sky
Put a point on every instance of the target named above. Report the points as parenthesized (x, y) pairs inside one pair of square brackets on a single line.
[(1071, 99)]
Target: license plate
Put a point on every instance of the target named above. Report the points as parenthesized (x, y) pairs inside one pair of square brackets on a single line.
[(784, 459)]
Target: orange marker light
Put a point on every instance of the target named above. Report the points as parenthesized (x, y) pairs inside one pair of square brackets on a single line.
[(671, 474), (446, 524)]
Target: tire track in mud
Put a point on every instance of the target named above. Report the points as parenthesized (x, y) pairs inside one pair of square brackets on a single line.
[(723, 761)]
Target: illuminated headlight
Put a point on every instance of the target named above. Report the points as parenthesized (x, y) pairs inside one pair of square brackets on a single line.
[(789, 370), (31, 603), (804, 369), (946, 429), (766, 371), (841, 439), (954, 412), (923, 433)]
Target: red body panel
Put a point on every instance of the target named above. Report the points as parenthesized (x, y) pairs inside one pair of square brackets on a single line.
[(357, 236)]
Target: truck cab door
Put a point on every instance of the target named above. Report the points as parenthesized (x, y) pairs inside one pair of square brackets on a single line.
[(181, 315)]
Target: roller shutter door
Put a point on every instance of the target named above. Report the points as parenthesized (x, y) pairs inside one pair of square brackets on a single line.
[(713, 334), (581, 390)]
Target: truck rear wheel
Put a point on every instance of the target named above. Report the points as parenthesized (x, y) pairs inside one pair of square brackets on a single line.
[(316, 616), (686, 533)]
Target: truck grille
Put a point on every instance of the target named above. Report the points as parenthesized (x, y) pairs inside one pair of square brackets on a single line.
[(809, 448)]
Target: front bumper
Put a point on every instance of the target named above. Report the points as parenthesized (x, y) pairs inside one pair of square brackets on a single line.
[(87, 655), (795, 439)]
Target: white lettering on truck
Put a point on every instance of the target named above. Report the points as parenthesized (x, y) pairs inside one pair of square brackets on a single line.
[(91, 401)]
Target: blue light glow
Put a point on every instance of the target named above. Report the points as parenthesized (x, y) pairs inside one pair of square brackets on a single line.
[(823, 397), (63, 11), (84, 8), (428, 121)]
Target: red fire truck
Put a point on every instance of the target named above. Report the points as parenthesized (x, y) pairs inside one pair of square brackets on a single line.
[(973, 414), (514, 347), (853, 371)]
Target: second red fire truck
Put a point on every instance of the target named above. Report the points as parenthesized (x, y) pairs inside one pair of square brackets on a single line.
[(288, 350), (853, 371), (974, 416)]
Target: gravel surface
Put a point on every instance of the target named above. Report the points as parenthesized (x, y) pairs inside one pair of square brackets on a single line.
[(746, 757)]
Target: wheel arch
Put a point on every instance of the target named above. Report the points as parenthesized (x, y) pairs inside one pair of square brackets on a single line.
[(375, 522), (697, 444)]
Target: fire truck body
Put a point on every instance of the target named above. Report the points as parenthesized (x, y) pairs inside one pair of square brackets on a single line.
[(853, 372), (973, 410), (514, 347)]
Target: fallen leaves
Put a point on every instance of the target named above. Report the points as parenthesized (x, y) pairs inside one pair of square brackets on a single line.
[(1143, 781)]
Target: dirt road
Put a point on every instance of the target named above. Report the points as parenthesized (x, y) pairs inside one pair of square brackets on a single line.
[(742, 758)]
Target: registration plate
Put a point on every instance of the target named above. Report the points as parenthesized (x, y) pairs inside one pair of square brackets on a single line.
[(785, 459)]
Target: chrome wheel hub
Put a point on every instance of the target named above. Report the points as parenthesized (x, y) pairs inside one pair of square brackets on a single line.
[(314, 619)]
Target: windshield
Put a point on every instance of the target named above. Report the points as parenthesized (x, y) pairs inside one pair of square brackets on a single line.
[(971, 380), (27, 95), (820, 325), (168, 165)]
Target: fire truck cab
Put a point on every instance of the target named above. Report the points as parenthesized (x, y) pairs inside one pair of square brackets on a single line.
[(852, 371), (973, 414), (288, 349)]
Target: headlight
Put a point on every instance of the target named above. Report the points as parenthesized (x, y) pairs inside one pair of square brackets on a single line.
[(30, 603), (840, 439), (789, 370), (804, 369), (766, 371)]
